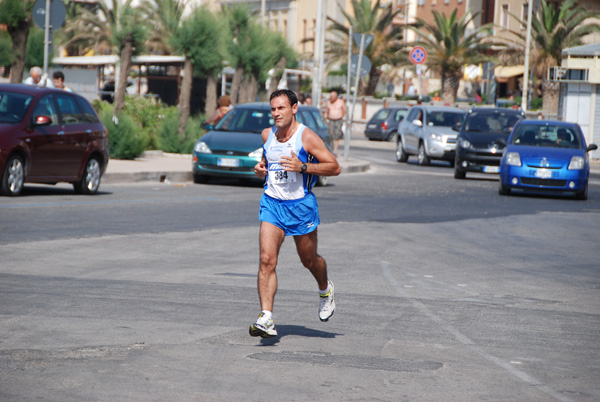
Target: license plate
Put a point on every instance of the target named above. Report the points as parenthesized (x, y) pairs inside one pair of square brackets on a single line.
[(372, 125), (491, 169), (229, 162), (543, 173)]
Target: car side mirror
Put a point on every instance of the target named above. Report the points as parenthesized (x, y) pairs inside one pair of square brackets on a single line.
[(42, 121), (591, 147), (208, 127), (417, 123), (456, 127), (501, 141)]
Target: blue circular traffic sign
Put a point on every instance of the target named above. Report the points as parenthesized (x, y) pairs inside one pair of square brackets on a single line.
[(418, 55)]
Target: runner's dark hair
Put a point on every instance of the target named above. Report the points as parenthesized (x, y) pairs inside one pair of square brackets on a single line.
[(291, 95)]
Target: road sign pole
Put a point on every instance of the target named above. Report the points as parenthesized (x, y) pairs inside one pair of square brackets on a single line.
[(347, 100), (349, 134), (46, 36)]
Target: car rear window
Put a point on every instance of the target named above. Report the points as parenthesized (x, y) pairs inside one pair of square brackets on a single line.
[(443, 119), (13, 106), (547, 136), (382, 114), (491, 122), (87, 111)]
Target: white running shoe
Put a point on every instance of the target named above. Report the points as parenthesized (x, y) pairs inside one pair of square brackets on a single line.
[(263, 327), (327, 304)]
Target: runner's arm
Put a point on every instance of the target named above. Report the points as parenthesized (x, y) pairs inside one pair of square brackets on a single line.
[(314, 145), (260, 169)]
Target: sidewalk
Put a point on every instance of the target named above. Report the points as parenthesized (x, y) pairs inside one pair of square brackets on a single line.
[(177, 168)]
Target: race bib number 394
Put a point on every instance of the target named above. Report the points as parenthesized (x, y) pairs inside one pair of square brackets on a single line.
[(281, 176)]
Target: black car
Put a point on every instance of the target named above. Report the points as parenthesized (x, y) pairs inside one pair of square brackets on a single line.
[(383, 126), (482, 138)]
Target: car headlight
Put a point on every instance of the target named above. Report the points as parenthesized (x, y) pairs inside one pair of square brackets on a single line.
[(577, 163), (202, 148), (465, 144), (258, 153), (436, 137), (513, 159)]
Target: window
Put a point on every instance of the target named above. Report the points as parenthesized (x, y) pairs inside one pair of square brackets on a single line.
[(524, 16), (504, 16), (45, 107), (69, 110), (420, 2), (88, 113), (13, 106)]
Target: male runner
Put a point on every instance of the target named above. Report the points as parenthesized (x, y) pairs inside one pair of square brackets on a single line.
[(293, 156)]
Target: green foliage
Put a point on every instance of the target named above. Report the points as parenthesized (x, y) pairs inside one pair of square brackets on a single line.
[(131, 27), (170, 141), (14, 12), (34, 56), (124, 140), (536, 103), (146, 113), (200, 39), (6, 56)]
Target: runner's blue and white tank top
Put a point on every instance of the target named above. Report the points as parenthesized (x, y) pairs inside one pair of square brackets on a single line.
[(281, 184)]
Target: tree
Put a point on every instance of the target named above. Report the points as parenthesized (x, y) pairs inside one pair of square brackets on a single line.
[(450, 46), (376, 20), (200, 40), (238, 19), (554, 28), (17, 15), (166, 16)]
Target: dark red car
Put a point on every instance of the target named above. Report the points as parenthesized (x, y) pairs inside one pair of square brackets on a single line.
[(48, 136)]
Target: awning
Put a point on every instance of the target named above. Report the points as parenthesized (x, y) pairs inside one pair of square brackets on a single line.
[(503, 73)]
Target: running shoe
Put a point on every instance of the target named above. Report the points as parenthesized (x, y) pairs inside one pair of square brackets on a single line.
[(263, 327), (327, 304)]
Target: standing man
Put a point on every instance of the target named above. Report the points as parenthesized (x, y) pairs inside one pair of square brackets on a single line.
[(293, 157), (36, 78), (334, 113)]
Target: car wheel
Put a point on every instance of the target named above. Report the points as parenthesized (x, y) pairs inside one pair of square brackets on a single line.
[(423, 157), (200, 179), (502, 190), (459, 174), (322, 181), (13, 176), (582, 195), (90, 181), (401, 155), (391, 136)]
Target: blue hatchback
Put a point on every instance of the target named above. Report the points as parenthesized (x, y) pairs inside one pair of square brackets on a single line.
[(545, 155)]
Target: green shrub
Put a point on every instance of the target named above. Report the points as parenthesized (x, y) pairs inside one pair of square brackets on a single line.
[(168, 138), (537, 103), (124, 140), (146, 113)]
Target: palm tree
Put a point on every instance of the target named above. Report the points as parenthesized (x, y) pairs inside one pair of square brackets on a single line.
[(17, 15), (239, 20), (554, 28), (166, 16), (450, 46), (200, 40), (371, 19)]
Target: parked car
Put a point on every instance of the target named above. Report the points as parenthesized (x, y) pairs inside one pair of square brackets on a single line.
[(548, 156), (482, 138), (234, 146), (426, 131), (48, 136), (383, 126)]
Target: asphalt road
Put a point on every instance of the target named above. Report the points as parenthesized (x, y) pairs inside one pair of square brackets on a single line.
[(445, 291)]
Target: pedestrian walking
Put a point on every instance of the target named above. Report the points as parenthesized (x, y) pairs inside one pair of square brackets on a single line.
[(36, 78), (293, 157), (59, 81), (335, 110)]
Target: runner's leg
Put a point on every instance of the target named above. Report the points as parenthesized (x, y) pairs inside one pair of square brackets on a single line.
[(306, 245), (271, 238)]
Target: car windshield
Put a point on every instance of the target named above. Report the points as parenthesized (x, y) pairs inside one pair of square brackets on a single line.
[(444, 119), (547, 136), (13, 106), (491, 122), (382, 114), (247, 120)]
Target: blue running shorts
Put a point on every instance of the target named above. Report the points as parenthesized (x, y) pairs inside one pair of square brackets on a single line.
[(294, 217)]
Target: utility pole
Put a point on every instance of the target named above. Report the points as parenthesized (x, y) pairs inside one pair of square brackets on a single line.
[(319, 52), (527, 46)]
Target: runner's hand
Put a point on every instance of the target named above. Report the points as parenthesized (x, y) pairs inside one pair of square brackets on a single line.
[(260, 169), (291, 163)]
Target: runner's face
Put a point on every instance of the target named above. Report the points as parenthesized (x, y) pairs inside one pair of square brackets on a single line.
[(282, 112)]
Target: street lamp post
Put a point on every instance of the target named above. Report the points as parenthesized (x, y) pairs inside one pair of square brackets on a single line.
[(526, 69)]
